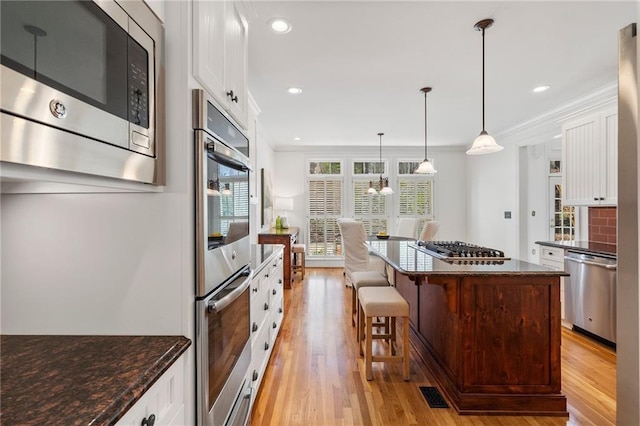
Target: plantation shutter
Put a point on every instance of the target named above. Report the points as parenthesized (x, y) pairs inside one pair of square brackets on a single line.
[(325, 207)]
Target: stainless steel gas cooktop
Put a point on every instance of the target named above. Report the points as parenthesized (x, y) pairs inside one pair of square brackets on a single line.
[(460, 252)]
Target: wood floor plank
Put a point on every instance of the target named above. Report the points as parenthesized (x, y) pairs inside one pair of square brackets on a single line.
[(315, 376)]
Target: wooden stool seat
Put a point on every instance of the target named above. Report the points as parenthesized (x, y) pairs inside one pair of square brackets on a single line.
[(299, 253), (364, 279), (382, 302)]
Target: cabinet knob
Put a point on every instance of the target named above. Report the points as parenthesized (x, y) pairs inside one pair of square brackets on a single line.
[(255, 289), (254, 376), (275, 325), (266, 346), (274, 291), (280, 281), (266, 306), (148, 421), (601, 198), (595, 198), (280, 310), (254, 328)]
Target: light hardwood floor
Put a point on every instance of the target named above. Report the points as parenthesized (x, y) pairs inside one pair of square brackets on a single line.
[(315, 377)]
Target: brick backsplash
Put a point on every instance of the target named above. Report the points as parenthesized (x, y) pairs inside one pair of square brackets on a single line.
[(603, 222)]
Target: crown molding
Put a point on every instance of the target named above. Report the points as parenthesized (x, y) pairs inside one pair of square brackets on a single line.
[(544, 126)]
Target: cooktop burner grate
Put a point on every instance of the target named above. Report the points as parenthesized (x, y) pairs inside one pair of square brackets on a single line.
[(459, 251)]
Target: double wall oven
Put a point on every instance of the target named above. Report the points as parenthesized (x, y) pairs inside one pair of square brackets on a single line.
[(223, 272)]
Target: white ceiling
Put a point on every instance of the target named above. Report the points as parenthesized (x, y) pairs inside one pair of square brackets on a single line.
[(361, 66)]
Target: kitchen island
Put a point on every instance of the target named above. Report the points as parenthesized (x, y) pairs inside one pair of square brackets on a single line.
[(489, 331)]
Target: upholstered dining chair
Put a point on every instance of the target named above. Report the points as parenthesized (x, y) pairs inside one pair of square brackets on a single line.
[(361, 269), (429, 230), (407, 227)]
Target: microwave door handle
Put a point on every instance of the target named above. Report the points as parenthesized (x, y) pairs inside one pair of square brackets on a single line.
[(218, 305)]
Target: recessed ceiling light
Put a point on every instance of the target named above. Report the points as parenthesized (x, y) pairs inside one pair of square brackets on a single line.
[(279, 25), (541, 89), (296, 139), (294, 90), (558, 136)]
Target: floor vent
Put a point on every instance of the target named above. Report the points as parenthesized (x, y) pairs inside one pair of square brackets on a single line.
[(433, 397)]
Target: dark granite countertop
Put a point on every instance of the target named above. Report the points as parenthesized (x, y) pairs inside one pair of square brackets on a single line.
[(583, 246), (407, 260), (79, 380)]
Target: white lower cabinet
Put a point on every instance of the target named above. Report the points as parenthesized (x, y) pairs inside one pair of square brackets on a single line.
[(163, 403), (267, 312), (553, 257)]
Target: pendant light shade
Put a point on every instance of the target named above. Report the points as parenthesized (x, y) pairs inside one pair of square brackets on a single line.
[(425, 168), (484, 143), (371, 190)]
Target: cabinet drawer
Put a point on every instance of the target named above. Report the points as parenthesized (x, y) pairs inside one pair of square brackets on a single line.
[(554, 254), (552, 264)]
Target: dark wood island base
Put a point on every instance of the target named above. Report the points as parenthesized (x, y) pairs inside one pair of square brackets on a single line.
[(491, 341)]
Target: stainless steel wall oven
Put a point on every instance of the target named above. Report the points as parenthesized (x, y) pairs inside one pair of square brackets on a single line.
[(82, 82), (223, 274)]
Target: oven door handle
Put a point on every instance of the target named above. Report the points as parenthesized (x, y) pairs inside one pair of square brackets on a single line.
[(218, 305)]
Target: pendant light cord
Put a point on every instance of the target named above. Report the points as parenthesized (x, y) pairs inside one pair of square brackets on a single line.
[(483, 79), (425, 126)]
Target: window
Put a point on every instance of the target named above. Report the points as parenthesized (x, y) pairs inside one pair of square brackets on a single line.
[(563, 217), (415, 192), (325, 207), (371, 210)]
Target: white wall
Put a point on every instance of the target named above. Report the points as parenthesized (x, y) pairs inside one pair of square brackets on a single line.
[(108, 263), (492, 189)]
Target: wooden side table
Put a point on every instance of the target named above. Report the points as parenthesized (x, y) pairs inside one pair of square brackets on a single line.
[(288, 238)]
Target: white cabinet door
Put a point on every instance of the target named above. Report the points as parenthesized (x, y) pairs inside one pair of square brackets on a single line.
[(220, 45), (610, 136), (589, 158), (164, 400), (553, 257), (581, 159), (208, 46), (236, 39)]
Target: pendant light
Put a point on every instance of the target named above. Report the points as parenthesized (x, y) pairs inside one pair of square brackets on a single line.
[(484, 143), (425, 168), (385, 189)]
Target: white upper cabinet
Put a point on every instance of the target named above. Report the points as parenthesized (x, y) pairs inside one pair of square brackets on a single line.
[(589, 159), (220, 36)]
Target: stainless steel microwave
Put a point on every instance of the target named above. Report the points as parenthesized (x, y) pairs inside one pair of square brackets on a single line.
[(82, 87)]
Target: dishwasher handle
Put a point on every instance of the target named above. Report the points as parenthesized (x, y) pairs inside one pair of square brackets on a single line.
[(611, 266)]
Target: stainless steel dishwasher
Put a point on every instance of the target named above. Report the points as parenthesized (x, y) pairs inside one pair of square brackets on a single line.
[(590, 294)]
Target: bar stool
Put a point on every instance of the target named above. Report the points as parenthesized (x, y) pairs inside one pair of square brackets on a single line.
[(299, 252), (364, 279), (382, 302)]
